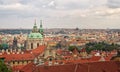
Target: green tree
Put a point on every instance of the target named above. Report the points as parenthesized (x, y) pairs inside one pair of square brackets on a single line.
[(100, 46), (3, 67), (71, 48), (5, 46), (1, 47)]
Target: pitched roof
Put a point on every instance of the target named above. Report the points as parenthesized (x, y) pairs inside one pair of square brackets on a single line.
[(17, 68), (24, 56), (109, 66), (28, 68), (18, 57), (38, 50)]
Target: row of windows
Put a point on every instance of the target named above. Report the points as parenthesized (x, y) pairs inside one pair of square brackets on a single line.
[(19, 62)]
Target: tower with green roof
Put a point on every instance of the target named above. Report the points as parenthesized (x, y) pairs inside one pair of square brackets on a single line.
[(35, 38)]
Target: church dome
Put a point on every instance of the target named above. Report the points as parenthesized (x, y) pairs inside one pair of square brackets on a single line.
[(35, 35)]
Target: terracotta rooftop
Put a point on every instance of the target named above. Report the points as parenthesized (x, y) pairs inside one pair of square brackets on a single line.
[(106, 66), (38, 50), (13, 57), (17, 68), (24, 56), (28, 68)]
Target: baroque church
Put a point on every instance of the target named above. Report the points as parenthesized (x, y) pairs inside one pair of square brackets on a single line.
[(35, 38)]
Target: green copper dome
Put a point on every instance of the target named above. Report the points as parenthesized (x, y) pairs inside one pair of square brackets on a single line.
[(35, 35)]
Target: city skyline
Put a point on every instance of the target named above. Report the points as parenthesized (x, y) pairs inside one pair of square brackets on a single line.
[(91, 14)]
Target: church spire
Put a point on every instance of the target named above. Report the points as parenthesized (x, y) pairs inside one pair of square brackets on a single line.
[(35, 23), (35, 30), (41, 29), (40, 23)]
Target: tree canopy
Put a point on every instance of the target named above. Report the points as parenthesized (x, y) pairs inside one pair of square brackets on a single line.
[(71, 48), (3, 67), (4, 46), (102, 46)]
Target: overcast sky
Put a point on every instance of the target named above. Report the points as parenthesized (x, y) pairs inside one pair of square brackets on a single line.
[(60, 13)]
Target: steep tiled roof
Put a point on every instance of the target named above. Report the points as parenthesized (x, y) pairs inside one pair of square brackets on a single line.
[(38, 50)]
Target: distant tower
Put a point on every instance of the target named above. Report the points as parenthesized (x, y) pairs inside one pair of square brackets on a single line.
[(41, 28), (15, 43), (35, 38), (49, 52)]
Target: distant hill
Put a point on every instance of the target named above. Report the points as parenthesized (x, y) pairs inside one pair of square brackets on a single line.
[(14, 31), (55, 30)]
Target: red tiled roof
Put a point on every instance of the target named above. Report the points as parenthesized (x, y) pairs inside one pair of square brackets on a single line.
[(13, 57), (75, 51), (83, 50), (25, 56), (109, 66), (1, 56), (95, 58), (28, 68), (17, 68), (38, 50)]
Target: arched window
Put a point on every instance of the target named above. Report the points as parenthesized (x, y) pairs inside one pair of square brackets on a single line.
[(31, 45), (37, 44)]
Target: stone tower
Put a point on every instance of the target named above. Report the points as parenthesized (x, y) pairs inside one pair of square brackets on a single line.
[(49, 52)]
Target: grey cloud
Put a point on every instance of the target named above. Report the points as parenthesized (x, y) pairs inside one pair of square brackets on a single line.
[(62, 12), (114, 3), (75, 5)]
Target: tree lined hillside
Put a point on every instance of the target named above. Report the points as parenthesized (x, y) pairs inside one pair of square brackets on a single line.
[(102, 46)]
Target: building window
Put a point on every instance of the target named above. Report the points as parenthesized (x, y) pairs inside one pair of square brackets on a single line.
[(31, 45), (22, 62), (18, 62), (13, 62), (37, 44)]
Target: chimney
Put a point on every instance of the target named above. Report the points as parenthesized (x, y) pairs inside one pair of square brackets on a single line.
[(35, 61), (6, 50), (11, 50), (50, 63), (19, 50), (3, 50), (0, 53), (22, 52)]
